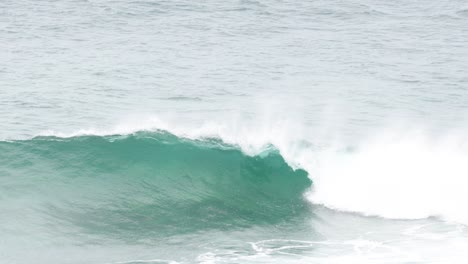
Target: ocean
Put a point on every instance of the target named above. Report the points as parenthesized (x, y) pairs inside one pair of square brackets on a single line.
[(233, 131)]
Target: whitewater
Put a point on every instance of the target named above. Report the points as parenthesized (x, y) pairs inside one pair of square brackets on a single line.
[(233, 132)]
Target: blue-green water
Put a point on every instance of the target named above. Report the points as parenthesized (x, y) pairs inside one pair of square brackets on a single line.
[(233, 131), (148, 185)]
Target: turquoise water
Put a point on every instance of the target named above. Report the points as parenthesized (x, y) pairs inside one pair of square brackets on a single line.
[(151, 185), (233, 132)]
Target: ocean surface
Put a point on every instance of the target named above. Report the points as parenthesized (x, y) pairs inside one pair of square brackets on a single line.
[(233, 131)]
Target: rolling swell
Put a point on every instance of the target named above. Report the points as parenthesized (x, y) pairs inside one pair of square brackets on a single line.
[(148, 184)]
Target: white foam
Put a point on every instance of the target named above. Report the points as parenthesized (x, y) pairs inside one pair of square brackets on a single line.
[(396, 175)]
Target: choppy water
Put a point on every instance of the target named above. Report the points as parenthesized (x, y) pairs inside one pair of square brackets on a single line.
[(233, 132)]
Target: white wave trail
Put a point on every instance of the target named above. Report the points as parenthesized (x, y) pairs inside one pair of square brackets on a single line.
[(394, 175)]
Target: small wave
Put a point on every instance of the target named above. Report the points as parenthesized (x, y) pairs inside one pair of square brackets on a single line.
[(463, 13), (183, 98), (147, 261)]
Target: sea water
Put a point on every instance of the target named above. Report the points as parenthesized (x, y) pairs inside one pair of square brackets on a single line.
[(233, 131)]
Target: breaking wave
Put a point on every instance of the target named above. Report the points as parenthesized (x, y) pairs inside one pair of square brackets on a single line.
[(149, 183)]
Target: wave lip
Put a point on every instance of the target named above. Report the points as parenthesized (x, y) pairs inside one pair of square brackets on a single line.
[(150, 183)]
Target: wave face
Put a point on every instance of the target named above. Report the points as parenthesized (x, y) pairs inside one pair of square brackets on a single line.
[(147, 184)]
